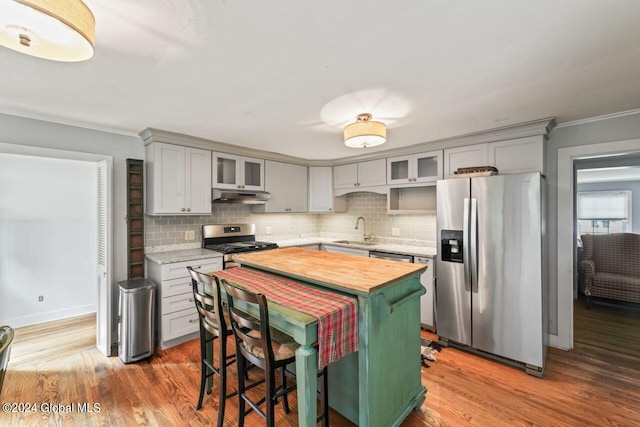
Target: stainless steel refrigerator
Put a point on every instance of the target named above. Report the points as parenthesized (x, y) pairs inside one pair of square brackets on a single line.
[(491, 294)]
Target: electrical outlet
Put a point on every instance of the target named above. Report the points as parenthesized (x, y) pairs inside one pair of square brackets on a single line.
[(268, 230), (395, 231), (189, 235), (41, 298)]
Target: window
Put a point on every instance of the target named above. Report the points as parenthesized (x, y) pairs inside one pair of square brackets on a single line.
[(604, 212)]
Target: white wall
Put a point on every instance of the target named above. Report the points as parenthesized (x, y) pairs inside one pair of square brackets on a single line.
[(38, 133), (48, 229)]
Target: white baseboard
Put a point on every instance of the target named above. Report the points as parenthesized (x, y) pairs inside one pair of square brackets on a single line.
[(556, 342), (18, 322)]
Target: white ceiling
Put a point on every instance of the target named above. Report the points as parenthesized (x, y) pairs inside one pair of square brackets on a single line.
[(287, 75)]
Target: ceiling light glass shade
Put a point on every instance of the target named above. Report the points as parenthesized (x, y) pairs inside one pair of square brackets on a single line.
[(365, 133), (60, 30)]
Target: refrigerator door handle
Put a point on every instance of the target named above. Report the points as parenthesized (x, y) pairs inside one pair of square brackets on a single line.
[(473, 238), (465, 246)]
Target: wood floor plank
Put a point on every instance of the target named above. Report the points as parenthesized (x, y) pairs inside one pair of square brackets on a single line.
[(597, 383)]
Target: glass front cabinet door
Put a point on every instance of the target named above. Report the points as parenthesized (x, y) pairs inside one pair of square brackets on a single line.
[(237, 172), (415, 168)]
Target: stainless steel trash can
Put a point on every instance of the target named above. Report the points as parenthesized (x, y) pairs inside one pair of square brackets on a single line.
[(136, 329)]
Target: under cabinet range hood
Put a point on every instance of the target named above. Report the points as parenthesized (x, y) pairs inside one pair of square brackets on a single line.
[(244, 197)]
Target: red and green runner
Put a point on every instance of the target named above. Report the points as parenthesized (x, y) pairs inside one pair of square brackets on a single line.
[(337, 314)]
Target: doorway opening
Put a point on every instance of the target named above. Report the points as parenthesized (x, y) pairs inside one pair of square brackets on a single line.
[(55, 214), (566, 236), (607, 201)]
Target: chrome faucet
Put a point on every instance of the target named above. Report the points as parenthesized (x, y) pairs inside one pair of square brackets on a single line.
[(364, 228)]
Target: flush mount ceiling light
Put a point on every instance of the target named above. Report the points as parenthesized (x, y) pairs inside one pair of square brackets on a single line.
[(365, 133), (60, 30)]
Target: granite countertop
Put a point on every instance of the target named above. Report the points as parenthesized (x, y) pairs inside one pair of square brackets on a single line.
[(415, 250), (189, 254), (169, 257)]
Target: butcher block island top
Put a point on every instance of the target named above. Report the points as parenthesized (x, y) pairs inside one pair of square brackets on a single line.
[(355, 273), (379, 385)]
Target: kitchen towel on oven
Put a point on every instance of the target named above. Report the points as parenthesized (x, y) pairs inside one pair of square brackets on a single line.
[(337, 314)]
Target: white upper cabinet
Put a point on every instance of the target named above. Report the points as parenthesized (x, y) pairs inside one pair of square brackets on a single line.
[(510, 156), (198, 180), (237, 172), (178, 180), (363, 174), (345, 176), (415, 169), (371, 173), (287, 184), (518, 155), (465, 157), (321, 197)]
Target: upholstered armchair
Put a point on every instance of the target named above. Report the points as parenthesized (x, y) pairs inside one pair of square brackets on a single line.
[(611, 266), (6, 338)]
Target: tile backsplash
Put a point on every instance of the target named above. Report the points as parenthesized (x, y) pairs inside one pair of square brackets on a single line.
[(419, 228), (373, 208)]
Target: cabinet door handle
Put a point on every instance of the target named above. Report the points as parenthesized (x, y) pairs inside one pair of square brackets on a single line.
[(188, 209), (182, 209), (192, 320), (330, 209), (354, 184)]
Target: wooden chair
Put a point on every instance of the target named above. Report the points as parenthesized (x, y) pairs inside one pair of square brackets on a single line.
[(268, 349), (212, 320), (6, 339)]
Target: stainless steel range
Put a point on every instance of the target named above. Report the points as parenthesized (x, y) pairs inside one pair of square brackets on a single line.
[(231, 239)]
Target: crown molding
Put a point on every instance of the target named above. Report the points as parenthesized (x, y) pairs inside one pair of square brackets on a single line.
[(522, 130), (598, 118), (150, 135), (60, 121)]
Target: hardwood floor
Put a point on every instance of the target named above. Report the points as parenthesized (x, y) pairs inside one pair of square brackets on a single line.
[(57, 363)]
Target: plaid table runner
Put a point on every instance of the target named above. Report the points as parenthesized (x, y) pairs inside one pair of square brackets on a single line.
[(337, 315)]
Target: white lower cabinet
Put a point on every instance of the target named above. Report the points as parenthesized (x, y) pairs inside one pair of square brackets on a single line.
[(181, 324), (314, 246), (427, 303), (177, 319), (344, 250)]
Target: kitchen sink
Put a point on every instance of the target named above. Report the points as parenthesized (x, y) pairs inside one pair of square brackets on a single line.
[(355, 242)]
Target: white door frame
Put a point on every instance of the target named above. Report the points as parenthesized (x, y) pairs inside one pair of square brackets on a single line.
[(566, 228), (103, 320)]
